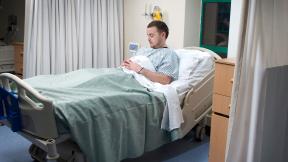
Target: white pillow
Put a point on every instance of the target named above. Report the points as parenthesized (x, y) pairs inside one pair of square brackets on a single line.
[(187, 63), (189, 60), (143, 61)]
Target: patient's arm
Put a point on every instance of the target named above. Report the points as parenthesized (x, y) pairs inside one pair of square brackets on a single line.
[(156, 77), (153, 76)]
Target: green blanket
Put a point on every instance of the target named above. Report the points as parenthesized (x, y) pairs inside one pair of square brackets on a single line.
[(108, 113)]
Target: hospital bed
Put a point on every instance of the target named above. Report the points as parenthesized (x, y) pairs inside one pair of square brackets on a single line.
[(31, 114)]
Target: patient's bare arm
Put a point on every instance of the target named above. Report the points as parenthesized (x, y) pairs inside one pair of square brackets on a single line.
[(153, 76), (132, 66), (156, 77)]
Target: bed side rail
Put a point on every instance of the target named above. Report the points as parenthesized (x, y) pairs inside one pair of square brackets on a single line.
[(197, 103), (205, 87), (206, 83), (37, 116)]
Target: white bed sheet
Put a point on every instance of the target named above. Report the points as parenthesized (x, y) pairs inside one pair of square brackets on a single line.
[(172, 115), (180, 87)]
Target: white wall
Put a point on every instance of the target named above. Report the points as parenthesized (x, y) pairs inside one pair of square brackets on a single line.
[(178, 15), (235, 32)]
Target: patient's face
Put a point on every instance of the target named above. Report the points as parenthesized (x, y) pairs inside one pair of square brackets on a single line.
[(155, 39)]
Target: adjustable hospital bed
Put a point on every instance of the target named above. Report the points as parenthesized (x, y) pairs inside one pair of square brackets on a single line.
[(31, 113)]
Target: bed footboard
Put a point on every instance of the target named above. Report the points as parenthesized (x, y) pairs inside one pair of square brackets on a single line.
[(37, 116)]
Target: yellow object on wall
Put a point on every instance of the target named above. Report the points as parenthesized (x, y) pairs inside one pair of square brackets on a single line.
[(156, 14)]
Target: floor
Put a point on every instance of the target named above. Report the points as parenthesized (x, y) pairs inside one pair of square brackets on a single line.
[(14, 148)]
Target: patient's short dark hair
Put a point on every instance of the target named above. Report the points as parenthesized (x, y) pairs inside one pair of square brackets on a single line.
[(160, 25)]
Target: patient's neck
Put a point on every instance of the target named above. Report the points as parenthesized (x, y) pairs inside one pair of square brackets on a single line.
[(160, 46)]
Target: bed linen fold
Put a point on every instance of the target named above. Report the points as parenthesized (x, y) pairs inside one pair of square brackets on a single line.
[(172, 115)]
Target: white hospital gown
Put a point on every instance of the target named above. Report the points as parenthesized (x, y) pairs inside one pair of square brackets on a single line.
[(164, 60)]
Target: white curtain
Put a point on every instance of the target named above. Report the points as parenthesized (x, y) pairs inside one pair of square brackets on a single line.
[(65, 35), (258, 126)]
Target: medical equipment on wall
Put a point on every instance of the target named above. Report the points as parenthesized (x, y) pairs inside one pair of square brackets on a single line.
[(12, 30), (154, 12), (132, 48)]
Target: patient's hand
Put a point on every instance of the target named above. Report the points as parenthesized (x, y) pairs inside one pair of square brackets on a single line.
[(152, 75), (130, 65)]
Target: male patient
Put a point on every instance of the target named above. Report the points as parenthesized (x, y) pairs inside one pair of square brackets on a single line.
[(165, 60)]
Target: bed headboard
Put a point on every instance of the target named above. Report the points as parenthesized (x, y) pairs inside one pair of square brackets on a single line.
[(215, 55)]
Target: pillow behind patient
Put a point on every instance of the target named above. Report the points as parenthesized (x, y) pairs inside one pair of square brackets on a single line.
[(143, 61), (188, 62)]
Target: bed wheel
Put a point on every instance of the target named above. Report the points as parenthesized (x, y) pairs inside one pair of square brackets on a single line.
[(200, 133), (37, 154)]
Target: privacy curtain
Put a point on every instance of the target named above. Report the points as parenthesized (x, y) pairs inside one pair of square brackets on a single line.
[(65, 35), (259, 112)]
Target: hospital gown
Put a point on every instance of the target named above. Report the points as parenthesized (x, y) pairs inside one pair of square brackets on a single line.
[(164, 60)]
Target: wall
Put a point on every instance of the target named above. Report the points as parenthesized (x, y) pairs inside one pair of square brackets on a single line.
[(235, 31), (183, 23), (16, 7), (192, 23), (3, 19)]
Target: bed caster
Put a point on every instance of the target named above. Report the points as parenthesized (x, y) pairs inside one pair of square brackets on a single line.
[(37, 154), (200, 133)]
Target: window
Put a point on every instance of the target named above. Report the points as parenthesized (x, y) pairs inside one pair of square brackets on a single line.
[(215, 20)]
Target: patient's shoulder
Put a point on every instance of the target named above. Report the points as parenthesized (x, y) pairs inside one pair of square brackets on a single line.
[(170, 53)]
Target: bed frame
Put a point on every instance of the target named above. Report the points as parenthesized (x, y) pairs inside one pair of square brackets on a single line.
[(38, 123)]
